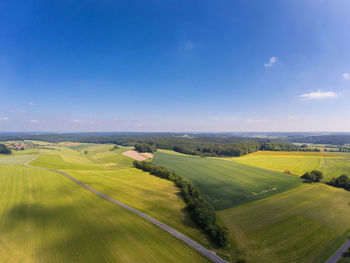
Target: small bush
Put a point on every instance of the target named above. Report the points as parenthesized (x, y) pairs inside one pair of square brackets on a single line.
[(313, 176)]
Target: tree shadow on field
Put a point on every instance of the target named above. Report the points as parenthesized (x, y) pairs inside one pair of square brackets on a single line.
[(67, 233)]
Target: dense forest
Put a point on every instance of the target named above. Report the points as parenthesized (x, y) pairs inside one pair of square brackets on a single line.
[(201, 145), (200, 210), (4, 149), (322, 139)]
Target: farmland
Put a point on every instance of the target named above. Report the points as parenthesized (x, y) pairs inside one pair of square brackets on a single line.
[(47, 218), (157, 197), (332, 164), (18, 157), (226, 184), (271, 216), (35, 202), (306, 224)]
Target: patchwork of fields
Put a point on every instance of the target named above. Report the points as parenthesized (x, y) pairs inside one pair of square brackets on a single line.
[(271, 216), (88, 228), (226, 184), (302, 223)]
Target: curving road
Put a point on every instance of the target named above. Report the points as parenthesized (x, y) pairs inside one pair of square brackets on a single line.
[(206, 252)]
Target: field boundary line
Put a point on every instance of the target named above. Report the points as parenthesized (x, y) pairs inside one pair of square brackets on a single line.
[(202, 250)]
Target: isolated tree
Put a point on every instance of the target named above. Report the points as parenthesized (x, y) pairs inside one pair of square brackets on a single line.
[(316, 175)]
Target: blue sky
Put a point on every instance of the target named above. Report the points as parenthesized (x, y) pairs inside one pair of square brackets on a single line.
[(175, 65)]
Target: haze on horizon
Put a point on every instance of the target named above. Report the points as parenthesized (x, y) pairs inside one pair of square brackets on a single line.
[(179, 66)]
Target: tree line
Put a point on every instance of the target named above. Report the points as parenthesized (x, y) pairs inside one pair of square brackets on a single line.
[(200, 210), (200, 145), (4, 149)]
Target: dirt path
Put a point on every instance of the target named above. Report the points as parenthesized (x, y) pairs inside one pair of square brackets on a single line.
[(206, 252)]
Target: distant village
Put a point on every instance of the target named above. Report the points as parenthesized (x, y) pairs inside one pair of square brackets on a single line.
[(18, 146)]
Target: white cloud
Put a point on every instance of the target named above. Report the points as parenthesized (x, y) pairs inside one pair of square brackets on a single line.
[(292, 116), (4, 118), (317, 95), (346, 76), (32, 103), (271, 62), (77, 120), (33, 121)]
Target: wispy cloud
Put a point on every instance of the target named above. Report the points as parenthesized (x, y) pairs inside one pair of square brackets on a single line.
[(4, 118), (187, 46), (318, 95), (346, 76), (32, 103), (271, 62), (239, 119), (33, 121), (292, 116), (249, 120), (77, 121)]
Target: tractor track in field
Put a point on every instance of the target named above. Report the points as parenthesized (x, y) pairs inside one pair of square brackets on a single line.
[(202, 250)]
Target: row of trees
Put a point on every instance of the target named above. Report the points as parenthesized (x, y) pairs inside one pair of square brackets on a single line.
[(313, 176), (342, 181), (228, 149), (4, 149), (200, 210), (145, 147)]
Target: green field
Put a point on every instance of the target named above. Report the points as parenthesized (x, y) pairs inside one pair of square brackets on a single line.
[(332, 164), (225, 184), (306, 224), (45, 217)]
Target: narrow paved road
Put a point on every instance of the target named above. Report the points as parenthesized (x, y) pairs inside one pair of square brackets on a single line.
[(337, 255), (207, 253)]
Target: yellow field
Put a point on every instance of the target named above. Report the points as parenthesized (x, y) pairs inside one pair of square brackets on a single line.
[(157, 197), (45, 217), (296, 154), (332, 164)]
